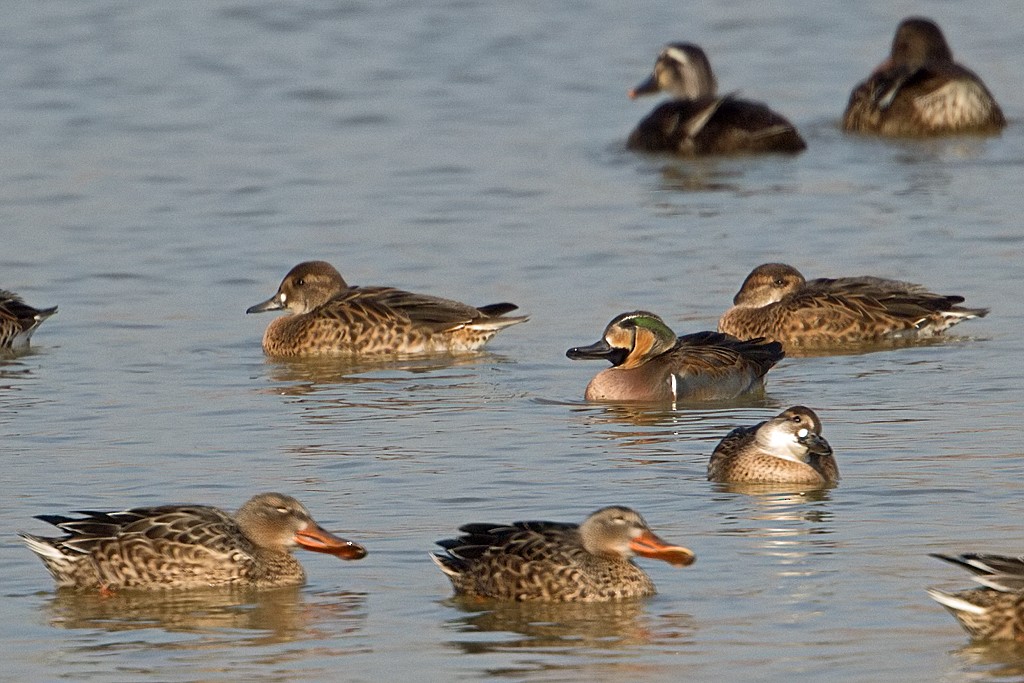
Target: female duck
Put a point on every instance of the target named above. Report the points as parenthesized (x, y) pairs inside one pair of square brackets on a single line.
[(788, 449), (651, 364), (555, 561), (995, 612), (920, 91), (186, 546), (330, 318), (776, 302), (699, 122), (18, 320)]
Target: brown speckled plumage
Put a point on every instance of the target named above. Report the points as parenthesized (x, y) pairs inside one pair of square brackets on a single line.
[(995, 612), (186, 546), (920, 91), (788, 449), (18, 320), (555, 561), (651, 364), (699, 122), (776, 302), (330, 318)]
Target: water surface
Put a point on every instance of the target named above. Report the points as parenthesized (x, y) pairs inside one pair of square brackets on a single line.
[(166, 165)]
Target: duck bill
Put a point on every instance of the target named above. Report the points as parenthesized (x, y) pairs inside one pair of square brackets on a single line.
[(648, 544), (600, 350), (320, 540), (272, 304), (815, 444), (648, 87)]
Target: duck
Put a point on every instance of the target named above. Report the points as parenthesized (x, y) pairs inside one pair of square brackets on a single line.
[(776, 302), (328, 317), (18, 321), (787, 449), (699, 122), (649, 363), (920, 91), (557, 561), (995, 612), (186, 547)]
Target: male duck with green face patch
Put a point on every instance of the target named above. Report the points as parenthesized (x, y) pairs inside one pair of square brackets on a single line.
[(649, 363)]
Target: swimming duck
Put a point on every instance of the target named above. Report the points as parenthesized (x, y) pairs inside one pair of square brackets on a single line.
[(995, 612), (788, 449), (186, 546), (18, 320), (699, 122), (329, 317), (920, 91), (776, 302), (556, 561), (651, 364)]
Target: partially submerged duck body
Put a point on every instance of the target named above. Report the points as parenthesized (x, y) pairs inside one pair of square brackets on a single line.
[(777, 302), (651, 364), (186, 547), (327, 317), (557, 561), (18, 321), (995, 612), (699, 122), (920, 91), (788, 449)]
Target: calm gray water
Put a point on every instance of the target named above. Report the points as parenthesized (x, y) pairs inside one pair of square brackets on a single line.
[(165, 164)]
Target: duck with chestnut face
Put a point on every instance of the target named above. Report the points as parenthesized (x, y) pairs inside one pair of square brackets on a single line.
[(920, 91), (327, 317), (557, 561), (788, 449), (651, 364)]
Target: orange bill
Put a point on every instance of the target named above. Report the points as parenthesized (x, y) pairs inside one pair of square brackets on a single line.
[(320, 540), (648, 544)]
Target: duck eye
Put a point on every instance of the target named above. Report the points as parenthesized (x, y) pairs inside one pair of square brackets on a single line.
[(797, 419), (300, 282), (778, 282)]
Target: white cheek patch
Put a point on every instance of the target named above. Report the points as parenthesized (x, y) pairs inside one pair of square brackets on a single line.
[(802, 433), (783, 444), (283, 297)]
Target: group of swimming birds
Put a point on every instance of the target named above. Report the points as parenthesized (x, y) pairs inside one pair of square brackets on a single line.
[(918, 91), (776, 311)]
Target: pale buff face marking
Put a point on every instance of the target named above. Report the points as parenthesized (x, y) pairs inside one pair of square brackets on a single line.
[(677, 55)]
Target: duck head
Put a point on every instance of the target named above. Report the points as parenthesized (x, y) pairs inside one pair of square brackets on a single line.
[(621, 532), (767, 284), (917, 42), (280, 523), (681, 69), (306, 286), (630, 340), (794, 434)]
